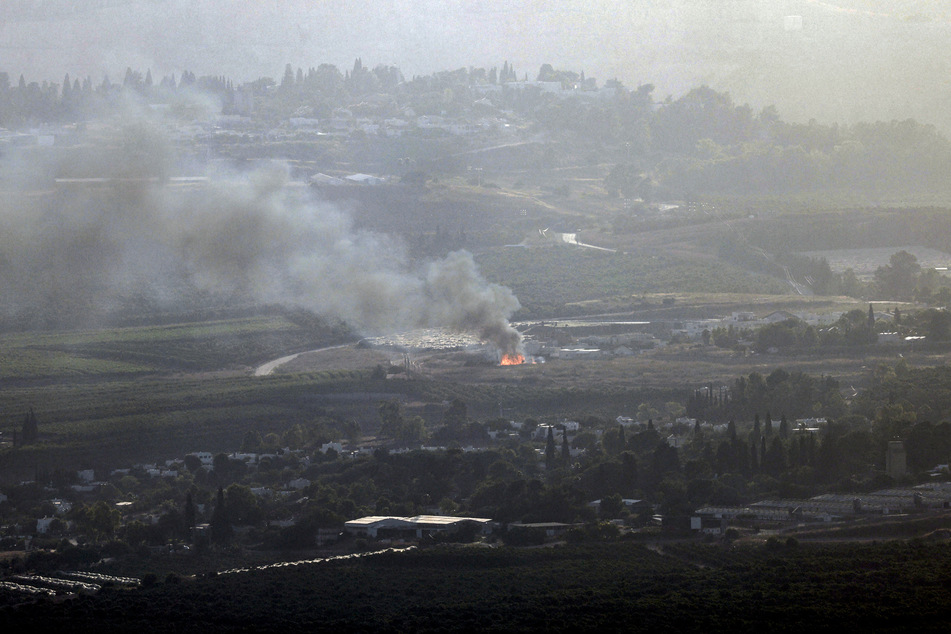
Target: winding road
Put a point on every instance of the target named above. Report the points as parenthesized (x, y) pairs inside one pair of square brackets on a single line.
[(270, 366)]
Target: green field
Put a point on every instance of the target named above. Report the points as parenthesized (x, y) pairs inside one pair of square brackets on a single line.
[(564, 280), (203, 346)]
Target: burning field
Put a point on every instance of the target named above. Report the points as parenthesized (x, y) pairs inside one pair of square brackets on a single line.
[(519, 359), (512, 359)]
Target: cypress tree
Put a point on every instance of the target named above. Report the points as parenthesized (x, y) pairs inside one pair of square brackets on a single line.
[(565, 450), (30, 431), (550, 449), (221, 530), (189, 512), (775, 461), (629, 472)]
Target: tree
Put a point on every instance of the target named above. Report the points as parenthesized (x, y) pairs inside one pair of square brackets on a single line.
[(550, 449), (192, 462), (391, 418), (252, 441), (189, 511), (456, 416), (242, 505), (774, 461), (220, 525), (565, 450), (221, 465), (611, 507), (937, 324), (100, 519), (628, 472), (613, 440), (665, 459), (30, 431), (898, 279), (407, 432), (287, 82)]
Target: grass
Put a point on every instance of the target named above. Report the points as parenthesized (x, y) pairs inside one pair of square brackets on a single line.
[(34, 363), (548, 281), (204, 346)]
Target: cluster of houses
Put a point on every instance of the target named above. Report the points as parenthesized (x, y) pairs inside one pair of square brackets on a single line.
[(746, 320), (783, 512), (644, 336)]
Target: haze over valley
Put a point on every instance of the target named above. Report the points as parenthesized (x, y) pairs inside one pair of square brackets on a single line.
[(324, 316)]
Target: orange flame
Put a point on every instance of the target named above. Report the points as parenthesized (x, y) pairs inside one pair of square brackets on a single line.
[(512, 359)]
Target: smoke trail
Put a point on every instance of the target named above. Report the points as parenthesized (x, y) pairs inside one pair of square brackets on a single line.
[(72, 255)]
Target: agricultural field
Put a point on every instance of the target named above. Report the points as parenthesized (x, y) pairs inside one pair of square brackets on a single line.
[(562, 281), (200, 346), (782, 586), (160, 391)]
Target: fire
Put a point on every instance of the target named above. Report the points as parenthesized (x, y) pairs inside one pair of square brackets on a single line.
[(512, 359)]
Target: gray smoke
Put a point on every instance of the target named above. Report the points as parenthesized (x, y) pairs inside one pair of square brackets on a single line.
[(71, 253)]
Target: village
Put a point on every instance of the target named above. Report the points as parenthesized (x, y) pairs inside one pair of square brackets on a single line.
[(159, 510)]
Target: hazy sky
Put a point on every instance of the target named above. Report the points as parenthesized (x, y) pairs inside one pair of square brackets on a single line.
[(839, 60)]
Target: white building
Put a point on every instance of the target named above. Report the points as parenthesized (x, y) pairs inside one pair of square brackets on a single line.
[(418, 526)]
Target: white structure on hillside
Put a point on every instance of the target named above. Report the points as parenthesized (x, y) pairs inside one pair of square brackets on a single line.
[(418, 526)]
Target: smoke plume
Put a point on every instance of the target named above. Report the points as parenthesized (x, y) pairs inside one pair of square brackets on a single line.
[(74, 251)]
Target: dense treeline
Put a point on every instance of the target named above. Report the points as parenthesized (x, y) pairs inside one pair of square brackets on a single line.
[(795, 394)]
